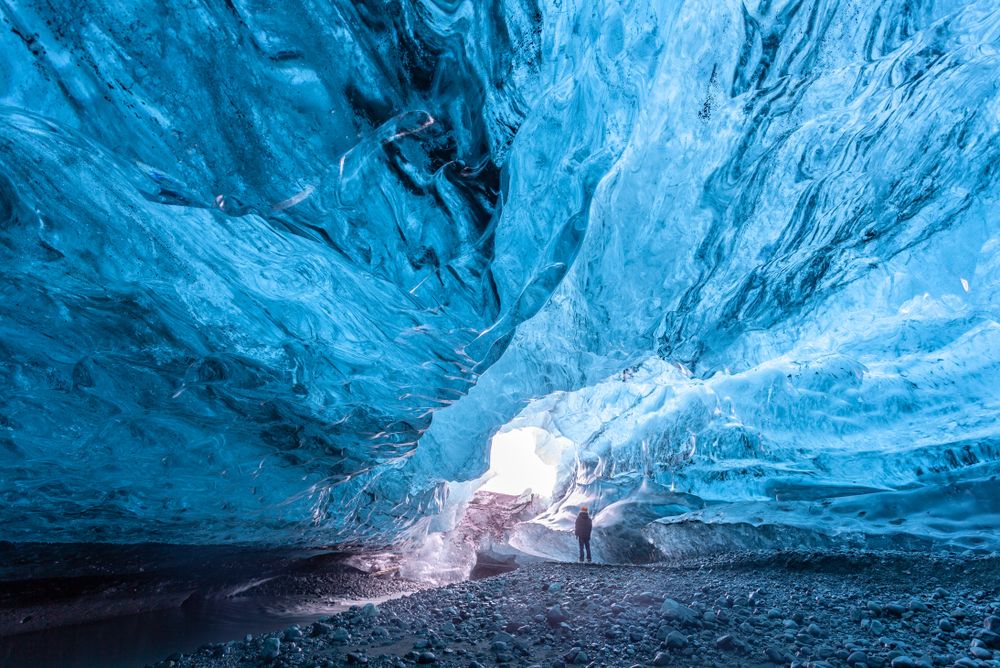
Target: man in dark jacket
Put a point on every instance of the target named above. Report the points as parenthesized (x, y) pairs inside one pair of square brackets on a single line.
[(583, 529)]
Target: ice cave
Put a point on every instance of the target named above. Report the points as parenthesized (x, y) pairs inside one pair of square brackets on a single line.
[(332, 313)]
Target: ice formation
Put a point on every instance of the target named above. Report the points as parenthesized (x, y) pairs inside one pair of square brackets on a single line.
[(279, 274)]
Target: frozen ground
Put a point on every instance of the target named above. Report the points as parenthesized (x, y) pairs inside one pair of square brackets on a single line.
[(789, 608)]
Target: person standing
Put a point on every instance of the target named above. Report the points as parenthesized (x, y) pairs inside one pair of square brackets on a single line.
[(583, 528)]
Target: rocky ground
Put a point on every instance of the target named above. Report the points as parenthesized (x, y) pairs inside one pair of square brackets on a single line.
[(787, 609)]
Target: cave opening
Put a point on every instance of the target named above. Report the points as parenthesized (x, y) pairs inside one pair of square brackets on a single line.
[(516, 465)]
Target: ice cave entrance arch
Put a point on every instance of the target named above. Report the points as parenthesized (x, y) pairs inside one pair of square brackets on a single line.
[(516, 465)]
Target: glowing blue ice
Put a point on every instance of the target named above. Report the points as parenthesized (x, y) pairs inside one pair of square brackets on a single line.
[(279, 274)]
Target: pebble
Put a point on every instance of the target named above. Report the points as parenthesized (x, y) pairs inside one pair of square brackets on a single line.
[(981, 653), (989, 639), (662, 659), (855, 658), (676, 640), (555, 615), (271, 648), (646, 598), (671, 609), (774, 655)]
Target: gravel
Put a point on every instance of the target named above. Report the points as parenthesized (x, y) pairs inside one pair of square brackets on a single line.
[(792, 608)]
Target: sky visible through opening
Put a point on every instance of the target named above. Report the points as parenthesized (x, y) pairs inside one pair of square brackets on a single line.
[(517, 467)]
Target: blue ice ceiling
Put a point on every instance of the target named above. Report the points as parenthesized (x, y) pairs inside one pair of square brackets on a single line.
[(278, 272)]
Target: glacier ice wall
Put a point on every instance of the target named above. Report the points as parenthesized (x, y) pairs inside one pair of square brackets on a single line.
[(793, 245), (277, 273), (246, 252)]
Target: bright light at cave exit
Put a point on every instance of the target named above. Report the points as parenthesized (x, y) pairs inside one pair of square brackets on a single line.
[(517, 467)]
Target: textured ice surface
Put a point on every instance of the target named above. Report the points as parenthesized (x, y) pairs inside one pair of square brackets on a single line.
[(279, 273)]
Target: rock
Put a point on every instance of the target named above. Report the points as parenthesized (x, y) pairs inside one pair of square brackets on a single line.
[(646, 598), (369, 610), (555, 615), (992, 623), (874, 608), (661, 659), (855, 658), (321, 629), (988, 639), (916, 605), (671, 609), (271, 648), (981, 653), (675, 640), (946, 625), (877, 627), (292, 633), (903, 662), (814, 630), (426, 657), (774, 655), (576, 657), (726, 642), (340, 634), (895, 609), (555, 588)]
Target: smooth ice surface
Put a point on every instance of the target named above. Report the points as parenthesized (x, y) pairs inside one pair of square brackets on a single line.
[(275, 274)]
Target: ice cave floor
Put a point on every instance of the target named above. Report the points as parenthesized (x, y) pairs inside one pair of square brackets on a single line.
[(790, 608)]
